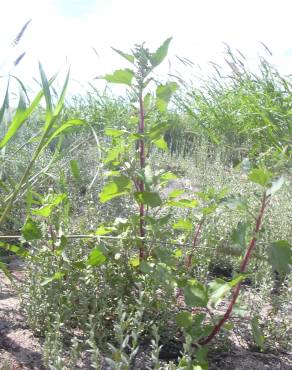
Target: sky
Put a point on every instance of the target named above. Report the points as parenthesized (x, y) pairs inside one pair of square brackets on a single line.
[(64, 32)]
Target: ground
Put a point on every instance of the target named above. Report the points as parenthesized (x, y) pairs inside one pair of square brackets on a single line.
[(20, 349)]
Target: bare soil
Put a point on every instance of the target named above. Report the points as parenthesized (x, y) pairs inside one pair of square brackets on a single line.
[(20, 349)]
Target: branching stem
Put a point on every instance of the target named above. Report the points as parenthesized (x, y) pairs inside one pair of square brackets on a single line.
[(243, 267)]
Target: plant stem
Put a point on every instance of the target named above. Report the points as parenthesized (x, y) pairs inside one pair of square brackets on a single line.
[(243, 266), (142, 165), (188, 260)]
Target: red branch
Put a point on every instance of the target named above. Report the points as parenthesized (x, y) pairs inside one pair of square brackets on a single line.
[(141, 183), (243, 266)]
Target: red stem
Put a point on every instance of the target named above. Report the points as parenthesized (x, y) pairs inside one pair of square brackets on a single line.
[(243, 266), (141, 183)]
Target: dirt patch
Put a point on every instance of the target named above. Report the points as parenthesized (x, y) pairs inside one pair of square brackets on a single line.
[(20, 349)]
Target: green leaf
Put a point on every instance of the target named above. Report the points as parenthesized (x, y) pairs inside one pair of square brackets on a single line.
[(165, 256), (280, 256), (163, 95), (160, 143), (114, 132), (175, 193), (121, 76), (75, 169), (5, 104), (148, 176), (158, 57), (257, 332), (168, 176), (151, 199), (157, 131), (236, 204), (6, 271), (217, 290), (104, 230), (47, 92), (16, 249), (183, 203), (164, 92), (119, 186), (183, 225), (57, 276), (146, 267), (195, 294), (20, 117), (135, 261), (276, 185), (130, 58), (114, 153), (68, 125), (184, 319), (96, 257), (44, 211), (238, 279), (238, 235), (47, 209), (260, 176), (31, 230), (61, 100)]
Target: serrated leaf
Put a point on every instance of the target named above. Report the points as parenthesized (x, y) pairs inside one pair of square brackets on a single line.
[(158, 57), (280, 256), (260, 176), (119, 186), (96, 257), (151, 199), (120, 76), (31, 230)]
